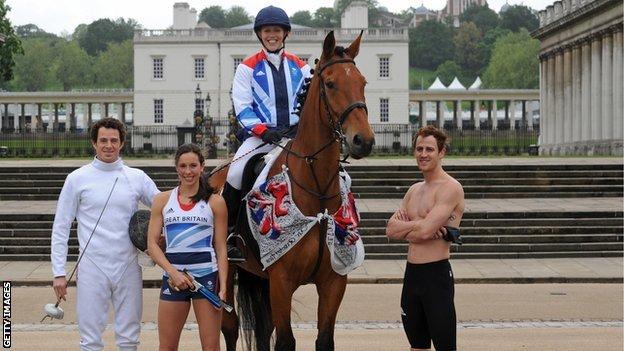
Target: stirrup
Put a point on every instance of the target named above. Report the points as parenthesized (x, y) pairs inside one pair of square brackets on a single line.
[(235, 255)]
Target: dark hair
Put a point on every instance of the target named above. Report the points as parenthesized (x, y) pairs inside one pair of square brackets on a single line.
[(205, 190), (438, 134), (109, 123)]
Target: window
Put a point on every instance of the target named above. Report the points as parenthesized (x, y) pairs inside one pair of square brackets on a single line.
[(384, 110), (199, 105), (199, 68), (157, 64), (237, 61), (384, 66), (158, 111)]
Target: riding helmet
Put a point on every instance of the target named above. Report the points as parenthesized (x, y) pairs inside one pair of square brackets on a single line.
[(272, 16)]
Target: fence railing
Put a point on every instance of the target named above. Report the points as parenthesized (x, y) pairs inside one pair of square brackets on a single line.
[(390, 139)]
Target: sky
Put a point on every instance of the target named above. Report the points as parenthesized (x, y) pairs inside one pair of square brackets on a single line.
[(63, 16)]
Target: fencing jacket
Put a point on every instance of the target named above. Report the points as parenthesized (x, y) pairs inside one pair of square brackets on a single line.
[(264, 94), (83, 196)]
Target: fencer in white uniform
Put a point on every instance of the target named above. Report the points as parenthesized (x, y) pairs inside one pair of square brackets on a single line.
[(109, 271)]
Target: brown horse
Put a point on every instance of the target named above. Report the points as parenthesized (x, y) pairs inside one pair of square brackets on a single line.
[(334, 110)]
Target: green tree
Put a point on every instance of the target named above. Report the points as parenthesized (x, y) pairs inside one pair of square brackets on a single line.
[(431, 43), (324, 17), (114, 67), (468, 52), (303, 18), (31, 31), (482, 16), (10, 45), (487, 44), (447, 71), (33, 71), (79, 32), (514, 63), (214, 16), (519, 16), (73, 66), (236, 16), (104, 31)]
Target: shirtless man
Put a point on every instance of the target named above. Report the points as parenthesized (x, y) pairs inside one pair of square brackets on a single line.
[(427, 307)]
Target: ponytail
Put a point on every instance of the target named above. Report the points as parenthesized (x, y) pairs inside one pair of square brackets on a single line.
[(205, 190)]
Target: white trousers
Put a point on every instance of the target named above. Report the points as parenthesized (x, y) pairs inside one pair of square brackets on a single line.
[(235, 173), (95, 293)]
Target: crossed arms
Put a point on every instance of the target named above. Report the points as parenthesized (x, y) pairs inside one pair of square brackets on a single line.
[(400, 227)]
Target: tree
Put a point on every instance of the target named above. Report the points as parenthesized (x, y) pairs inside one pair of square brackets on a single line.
[(236, 16), (324, 17), (74, 66), (214, 16), (33, 71), (468, 53), (482, 16), (114, 67), (514, 63), (447, 71), (10, 45), (519, 16), (431, 43), (100, 33), (79, 32), (487, 44), (303, 18), (31, 31)]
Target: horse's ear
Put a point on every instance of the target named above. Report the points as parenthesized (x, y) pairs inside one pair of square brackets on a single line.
[(354, 48), (328, 46)]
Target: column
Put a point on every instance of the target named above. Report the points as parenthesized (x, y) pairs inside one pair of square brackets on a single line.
[(477, 113), (123, 112), (439, 115), (458, 115), (566, 121), (618, 78), (512, 114), (55, 125), (22, 118), (423, 113), (586, 125), (494, 115), (72, 117), (559, 98), (549, 121), (39, 117), (543, 92), (596, 88), (89, 116), (607, 86), (576, 94)]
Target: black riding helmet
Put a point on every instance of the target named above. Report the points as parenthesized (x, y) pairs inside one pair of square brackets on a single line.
[(271, 16)]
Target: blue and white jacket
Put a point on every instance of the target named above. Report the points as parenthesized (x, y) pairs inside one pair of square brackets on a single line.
[(265, 96)]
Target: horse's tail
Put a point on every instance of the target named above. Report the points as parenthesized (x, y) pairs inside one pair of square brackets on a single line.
[(254, 310)]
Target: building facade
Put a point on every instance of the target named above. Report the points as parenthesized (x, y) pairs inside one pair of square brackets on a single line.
[(581, 77), (170, 64)]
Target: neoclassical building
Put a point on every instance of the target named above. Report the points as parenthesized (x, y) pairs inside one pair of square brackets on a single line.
[(581, 77), (170, 64)]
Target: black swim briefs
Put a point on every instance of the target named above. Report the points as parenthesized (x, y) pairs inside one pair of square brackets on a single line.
[(427, 307)]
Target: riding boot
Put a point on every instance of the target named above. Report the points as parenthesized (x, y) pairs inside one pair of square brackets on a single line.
[(232, 197)]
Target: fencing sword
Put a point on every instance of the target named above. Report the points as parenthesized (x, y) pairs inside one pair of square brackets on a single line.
[(53, 310)]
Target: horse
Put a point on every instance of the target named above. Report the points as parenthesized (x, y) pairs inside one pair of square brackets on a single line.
[(334, 112)]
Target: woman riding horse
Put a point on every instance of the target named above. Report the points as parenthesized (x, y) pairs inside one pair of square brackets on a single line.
[(264, 90), (334, 112)]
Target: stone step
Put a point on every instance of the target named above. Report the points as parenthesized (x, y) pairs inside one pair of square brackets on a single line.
[(520, 188), (519, 231), (502, 255), (517, 239), (370, 168), (170, 183), (509, 247), (551, 195)]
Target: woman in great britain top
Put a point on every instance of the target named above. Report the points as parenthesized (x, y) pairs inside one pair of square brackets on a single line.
[(194, 222)]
